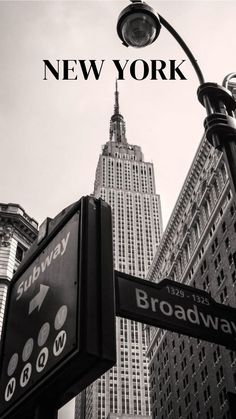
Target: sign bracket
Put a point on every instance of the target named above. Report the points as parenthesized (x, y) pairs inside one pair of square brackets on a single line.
[(45, 411)]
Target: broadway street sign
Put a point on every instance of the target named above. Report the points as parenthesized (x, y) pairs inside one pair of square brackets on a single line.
[(175, 307)]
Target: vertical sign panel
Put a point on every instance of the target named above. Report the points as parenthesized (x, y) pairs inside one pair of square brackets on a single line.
[(42, 314), (59, 333)]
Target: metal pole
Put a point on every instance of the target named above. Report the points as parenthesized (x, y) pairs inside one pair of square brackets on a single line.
[(220, 125), (229, 154), (229, 149), (45, 411)]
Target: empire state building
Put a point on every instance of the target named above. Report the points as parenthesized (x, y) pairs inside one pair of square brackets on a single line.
[(126, 182)]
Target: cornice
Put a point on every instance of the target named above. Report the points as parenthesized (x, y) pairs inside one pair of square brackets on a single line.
[(20, 223)]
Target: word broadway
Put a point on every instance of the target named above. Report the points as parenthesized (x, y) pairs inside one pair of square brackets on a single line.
[(137, 69), (191, 314)]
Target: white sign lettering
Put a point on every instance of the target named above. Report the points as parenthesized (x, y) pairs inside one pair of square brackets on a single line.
[(59, 250), (193, 315)]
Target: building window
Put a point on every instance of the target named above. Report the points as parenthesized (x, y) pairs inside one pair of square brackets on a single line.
[(203, 267), (202, 354), (227, 243), (198, 406), (223, 173), (187, 400), (230, 258), (224, 226), (223, 397), (223, 295), (191, 350), (210, 413), (235, 379), (185, 381), (216, 354), (214, 245), (207, 393), (217, 261), (204, 374), (232, 357), (197, 231), (220, 277), (206, 283), (19, 253), (183, 363)]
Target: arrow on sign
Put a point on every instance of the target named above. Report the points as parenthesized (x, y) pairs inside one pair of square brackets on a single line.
[(37, 301)]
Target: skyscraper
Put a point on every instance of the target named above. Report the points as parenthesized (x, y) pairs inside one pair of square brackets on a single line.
[(17, 233), (126, 182), (191, 378)]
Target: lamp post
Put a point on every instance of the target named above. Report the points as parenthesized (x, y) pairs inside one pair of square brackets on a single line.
[(138, 26)]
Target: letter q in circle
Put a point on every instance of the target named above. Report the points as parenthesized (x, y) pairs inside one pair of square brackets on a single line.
[(42, 359)]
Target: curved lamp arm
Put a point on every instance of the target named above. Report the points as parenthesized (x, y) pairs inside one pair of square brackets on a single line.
[(184, 47), (181, 42), (227, 79), (220, 123)]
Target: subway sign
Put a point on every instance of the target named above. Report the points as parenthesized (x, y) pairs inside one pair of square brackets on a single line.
[(175, 307), (57, 336)]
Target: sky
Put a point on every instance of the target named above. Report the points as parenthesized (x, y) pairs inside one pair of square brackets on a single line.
[(52, 131)]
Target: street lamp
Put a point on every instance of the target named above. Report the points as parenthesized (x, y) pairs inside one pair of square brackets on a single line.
[(138, 26)]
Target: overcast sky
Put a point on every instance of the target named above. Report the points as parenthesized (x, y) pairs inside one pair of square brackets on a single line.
[(52, 130)]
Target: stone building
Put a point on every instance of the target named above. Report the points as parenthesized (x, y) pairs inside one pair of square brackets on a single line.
[(191, 378), (17, 232)]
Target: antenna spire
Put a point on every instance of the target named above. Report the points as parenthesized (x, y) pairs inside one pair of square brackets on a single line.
[(116, 108), (117, 123)]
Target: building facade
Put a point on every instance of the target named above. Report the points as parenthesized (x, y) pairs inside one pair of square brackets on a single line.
[(126, 182), (191, 378), (17, 233)]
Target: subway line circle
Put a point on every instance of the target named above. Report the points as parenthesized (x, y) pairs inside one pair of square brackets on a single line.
[(59, 343), (25, 374), (60, 317), (43, 334), (10, 389), (42, 359), (12, 364), (27, 351)]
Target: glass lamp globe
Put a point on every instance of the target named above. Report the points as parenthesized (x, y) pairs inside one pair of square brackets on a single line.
[(138, 25)]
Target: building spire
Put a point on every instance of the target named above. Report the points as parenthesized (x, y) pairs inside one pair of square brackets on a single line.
[(116, 108), (117, 123)]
